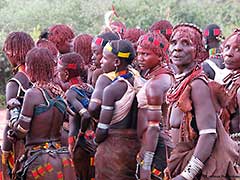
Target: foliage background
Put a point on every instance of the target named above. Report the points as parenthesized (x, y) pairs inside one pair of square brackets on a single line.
[(88, 16)]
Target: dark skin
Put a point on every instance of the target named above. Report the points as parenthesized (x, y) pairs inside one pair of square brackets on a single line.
[(111, 93), (39, 131), (95, 70), (182, 53), (74, 99), (231, 55), (102, 82), (148, 60)]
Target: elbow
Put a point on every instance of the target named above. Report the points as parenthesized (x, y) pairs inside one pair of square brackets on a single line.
[(94, 110)]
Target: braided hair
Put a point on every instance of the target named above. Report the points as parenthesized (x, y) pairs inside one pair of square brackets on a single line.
[(44, 43), (163, 26), (40, 64), (16, 46), (60, 34), (73, 62), (236, 32), (82, 46)]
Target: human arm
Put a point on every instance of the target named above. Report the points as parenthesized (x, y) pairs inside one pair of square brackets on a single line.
[(155, 98), (94, 106), (205, 116), (22, 126)]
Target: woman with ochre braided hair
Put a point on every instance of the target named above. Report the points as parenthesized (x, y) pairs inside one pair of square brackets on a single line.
[(40, 121), (15, 47), (152, 52), (202, 144), (116, 134), (70, 66)]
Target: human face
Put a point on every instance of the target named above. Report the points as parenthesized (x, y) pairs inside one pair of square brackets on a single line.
[(108, 61), (182, 50), (231, 53), (147, 59), (62, 73), (97, 54)]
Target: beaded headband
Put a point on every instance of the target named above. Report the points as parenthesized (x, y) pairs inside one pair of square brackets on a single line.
[(189, 25), (117, 53)]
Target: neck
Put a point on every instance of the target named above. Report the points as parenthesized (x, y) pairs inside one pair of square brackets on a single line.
[(185, 68), (75, 80)]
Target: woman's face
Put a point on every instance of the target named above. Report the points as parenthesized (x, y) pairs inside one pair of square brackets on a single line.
[(147, 59), (182, 50), (108, 61), (97, 54), (231, 53)]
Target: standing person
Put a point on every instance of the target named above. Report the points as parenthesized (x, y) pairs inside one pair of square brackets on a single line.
[(213, 66), (40, 121), (97, 46), (152, 55), (116, 135), (196, 130), (231, 55), (15, 47), (70, 66)]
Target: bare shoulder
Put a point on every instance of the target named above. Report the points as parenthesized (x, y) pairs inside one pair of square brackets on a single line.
[(162, 82)]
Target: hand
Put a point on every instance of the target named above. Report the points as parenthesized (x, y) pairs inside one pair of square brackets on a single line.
[(179, 177), (12, 136), (145, 174), (12, 103)]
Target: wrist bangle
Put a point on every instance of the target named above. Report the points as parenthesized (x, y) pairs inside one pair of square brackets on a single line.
[(94, 142), (192, 168), (82, 111)]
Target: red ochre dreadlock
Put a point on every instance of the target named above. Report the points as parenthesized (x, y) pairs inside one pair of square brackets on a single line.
[(156, 43), (44, 43), (59, 34), (194, 33), (40, 64), (163, 26), (82, 45), (16, 46), (73, 62), (133, 34)]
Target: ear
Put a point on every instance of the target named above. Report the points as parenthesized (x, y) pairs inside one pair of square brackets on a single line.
[(117, 62), (66, 74)]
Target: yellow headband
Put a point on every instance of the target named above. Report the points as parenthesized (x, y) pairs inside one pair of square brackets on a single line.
[(117, 53)]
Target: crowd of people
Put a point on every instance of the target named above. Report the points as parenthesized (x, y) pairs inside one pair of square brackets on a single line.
[(124, 104)]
